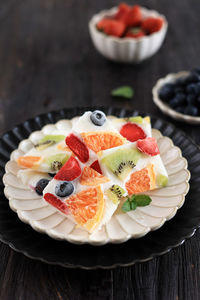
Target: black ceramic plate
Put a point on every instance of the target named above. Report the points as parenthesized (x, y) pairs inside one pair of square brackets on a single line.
[(21, 237)]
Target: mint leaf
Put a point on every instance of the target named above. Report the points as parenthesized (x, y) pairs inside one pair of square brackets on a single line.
[(142, 200), (123, 91), (133, 205), (126, 206), (134, 201)]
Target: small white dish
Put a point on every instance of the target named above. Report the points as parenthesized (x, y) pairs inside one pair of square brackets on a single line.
[(164, 107), (44, 218), (127, 50)]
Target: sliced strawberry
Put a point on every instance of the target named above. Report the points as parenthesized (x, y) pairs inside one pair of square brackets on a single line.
[(148, 146), (111, 27), (132, 17), (69, 171), (123, 8), (57, 203), (152, 25), (132, 132), (95, 166), (77, 147)]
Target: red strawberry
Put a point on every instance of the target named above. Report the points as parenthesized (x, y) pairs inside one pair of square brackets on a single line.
[(69, 171), (152, 25), (111, 27), (123, 8), (95, 166), (148, 146), (132, 132), (132, 17), (77, 147), (57, 203), (135, 32)]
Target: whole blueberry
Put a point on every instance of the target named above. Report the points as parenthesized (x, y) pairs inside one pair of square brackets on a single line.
[(180, 97), (191, 110), (198, 100), (180, 109), (197, 70), (174, 102), (192, 78), (40, 185), (198, 88), (98, 118), (191, 99), (64, 189), (178, 89), (180, 82), (191, 88), (166, 92)]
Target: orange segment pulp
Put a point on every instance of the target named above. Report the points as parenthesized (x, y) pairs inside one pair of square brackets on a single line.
[(87, 207), (28, 161), (141, 181), (63, 147), (91, 177), (98, 141)]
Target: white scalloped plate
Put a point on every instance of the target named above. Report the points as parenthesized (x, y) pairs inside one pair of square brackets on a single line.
[(44, 218)]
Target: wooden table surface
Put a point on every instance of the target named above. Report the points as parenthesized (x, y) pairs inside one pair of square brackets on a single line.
[(47, 62)]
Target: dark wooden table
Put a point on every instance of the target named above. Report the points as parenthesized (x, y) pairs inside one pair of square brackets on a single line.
[(47, 62)]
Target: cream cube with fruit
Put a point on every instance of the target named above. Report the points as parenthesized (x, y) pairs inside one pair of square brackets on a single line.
[(98, 164)]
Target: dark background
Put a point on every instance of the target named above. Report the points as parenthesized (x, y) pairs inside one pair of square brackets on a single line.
[(47, 62)]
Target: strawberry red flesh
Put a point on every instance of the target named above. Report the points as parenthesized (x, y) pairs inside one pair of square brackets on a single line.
[(148, 146), (95, 166), (77, 147), (70, 171), (132, 132), (57, 203)]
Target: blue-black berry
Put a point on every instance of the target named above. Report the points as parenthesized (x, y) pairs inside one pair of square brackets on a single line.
[(64, 189), (192, 78), (191, 110), (166, 92), (180, 109), (98, 118), (191, 88), (191, 99), (40, 185)]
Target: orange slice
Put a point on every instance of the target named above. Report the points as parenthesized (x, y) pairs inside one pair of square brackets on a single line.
[(63, 147), (87, 207), (141, 181), (98, 141), (28, 161), (92, 177)]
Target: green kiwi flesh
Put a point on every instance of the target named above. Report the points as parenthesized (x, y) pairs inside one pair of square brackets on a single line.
[(115, 193), (122, 161), (56, 161)]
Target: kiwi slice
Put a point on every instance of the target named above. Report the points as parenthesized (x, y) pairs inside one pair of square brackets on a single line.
[(161, 180), (122, 161), (56, 161), (137, 119), (49, 140), (115, 193), (44, 145)]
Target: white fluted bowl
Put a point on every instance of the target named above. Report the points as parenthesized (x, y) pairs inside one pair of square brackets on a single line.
[(127, 50)]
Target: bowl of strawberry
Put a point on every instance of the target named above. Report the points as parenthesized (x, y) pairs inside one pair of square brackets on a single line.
[(128, 34), (178, 95)]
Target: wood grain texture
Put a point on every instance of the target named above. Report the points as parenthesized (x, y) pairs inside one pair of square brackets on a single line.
[(48, 62)]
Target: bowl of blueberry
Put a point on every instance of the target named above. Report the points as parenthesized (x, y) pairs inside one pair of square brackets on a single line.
[(178, 95)]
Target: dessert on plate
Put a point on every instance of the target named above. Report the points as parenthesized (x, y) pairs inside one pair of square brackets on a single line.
[(95, 168)]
